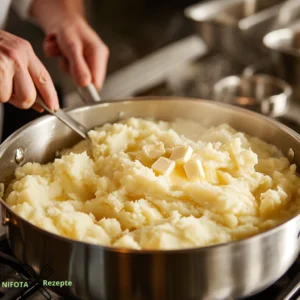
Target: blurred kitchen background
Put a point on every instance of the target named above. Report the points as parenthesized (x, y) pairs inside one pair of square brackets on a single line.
[(150, 43), (132, 29)]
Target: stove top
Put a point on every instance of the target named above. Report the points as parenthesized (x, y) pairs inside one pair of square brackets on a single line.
[(181, 69), (12, 270)]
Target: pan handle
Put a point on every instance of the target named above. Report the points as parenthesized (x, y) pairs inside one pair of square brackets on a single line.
[(89, 94)]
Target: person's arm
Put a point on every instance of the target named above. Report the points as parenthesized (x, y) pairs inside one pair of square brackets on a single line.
[(69, 36), (49, 13)]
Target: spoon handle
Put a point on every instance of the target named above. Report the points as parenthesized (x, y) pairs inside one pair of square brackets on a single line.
[(65, 118), (89, 94)]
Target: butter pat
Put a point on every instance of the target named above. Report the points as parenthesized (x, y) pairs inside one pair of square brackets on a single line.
[(163, 166), (194, 170), (154, 151), (182, 154)]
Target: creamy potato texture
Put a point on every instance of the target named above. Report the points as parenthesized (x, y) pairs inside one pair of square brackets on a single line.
[(221, 185)]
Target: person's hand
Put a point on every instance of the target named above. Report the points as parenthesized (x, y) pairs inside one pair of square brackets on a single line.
[(82, 52), (22, 74)]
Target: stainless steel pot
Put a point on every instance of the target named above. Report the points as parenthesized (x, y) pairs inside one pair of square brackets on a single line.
[(284, 46), (223, 271), (235, 27), (261, 93)]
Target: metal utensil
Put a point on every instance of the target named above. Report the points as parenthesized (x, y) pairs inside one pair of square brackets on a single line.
[(227, 271), (261, 93), (89, 94), (65, 118)]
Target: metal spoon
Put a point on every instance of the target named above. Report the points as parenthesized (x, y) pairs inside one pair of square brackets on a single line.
[(65, 118), (89, 94)]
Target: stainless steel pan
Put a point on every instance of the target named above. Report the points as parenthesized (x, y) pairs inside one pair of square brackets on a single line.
[(261, 93), (235, 27), (223, 271), (284, 47)]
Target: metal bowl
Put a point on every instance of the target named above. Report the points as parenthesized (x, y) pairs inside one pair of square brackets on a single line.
[(261, 93), (284, 45)]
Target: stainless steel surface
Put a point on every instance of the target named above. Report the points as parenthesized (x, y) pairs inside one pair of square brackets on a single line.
[(261, 93), (235, 27), (65, 118), (218, 272), (89, 94), (284, 45), (19, 155)]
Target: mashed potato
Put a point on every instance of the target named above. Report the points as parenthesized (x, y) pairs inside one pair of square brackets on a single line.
[(221, 185)]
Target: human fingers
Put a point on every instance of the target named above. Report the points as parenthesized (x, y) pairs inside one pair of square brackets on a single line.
[(96, 55), (43, 82), (6, 78), (72, 50), (23, 89)]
